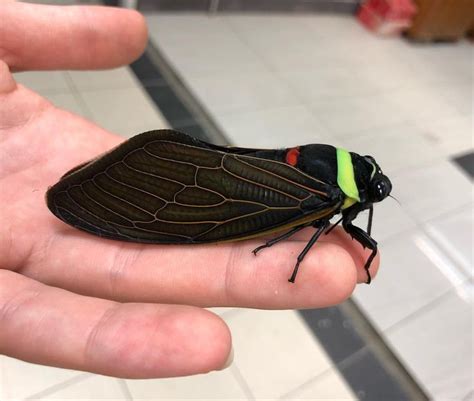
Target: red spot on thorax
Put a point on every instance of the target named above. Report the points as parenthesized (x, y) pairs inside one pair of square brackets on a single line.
[(292, 156)]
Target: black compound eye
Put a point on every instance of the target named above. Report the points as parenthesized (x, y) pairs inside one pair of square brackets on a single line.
[(380, 189)]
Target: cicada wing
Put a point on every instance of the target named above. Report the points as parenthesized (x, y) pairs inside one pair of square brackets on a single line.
[(166, 187)]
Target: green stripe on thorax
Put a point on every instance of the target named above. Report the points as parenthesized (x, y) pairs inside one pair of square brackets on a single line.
[(345, 177)]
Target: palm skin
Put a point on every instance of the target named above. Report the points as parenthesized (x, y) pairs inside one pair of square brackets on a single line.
[(77, 301)]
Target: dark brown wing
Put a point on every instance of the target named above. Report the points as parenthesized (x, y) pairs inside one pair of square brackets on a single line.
[(166, 187)]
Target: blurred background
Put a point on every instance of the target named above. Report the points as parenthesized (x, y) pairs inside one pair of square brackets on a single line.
[(389, 78)]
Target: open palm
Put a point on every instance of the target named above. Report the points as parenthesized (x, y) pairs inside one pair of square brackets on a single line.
[(74, 300)]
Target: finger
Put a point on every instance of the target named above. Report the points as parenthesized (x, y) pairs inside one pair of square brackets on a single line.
[(357, 251), (50, 326), (69, 37), (205, 275)]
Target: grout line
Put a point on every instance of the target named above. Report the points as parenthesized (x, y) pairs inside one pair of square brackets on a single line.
[(184, 96), (277, 72), (431, 162), (469, 396), (449, 261), (293, 393), (426, 308), (234, 369), (78, 96), (303, 101), (60, 386), (229, 314), (423, 227), (125, 390), (266, 64), (314, 103), (448, 213), (242, 382), (420, 224)]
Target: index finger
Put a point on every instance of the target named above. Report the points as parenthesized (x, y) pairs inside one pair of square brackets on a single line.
[(226, 274), (41, 37)]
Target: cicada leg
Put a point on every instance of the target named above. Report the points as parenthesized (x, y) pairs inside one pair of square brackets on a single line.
[(322, 226), (362, 237), (279, 238)]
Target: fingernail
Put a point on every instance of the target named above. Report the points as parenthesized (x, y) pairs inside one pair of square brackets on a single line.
[(230, 359)]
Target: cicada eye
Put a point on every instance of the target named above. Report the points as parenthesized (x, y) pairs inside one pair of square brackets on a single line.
[(380, 189)]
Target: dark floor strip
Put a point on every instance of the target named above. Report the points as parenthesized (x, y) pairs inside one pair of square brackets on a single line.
[(268, 6), (359, 352), (173, 98), (466, 163), (361, 355)]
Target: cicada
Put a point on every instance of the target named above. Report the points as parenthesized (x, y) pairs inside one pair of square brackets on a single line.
[(165, 187)]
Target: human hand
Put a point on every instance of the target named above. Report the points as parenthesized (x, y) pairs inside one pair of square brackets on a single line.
[(73, 300)]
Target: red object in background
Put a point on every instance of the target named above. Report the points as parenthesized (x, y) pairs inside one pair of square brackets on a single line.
[(387, 17)]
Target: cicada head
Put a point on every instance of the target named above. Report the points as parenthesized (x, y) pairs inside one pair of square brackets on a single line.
[(378, 185)]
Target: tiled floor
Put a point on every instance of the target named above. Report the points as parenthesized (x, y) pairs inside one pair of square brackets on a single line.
[(284, 80), (99, 96)]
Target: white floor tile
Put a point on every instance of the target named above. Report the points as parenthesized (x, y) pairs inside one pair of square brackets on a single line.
[(452, 135), (185, 26), (126, 112), (214, 385), (437, 346), (330, 386), (409, 278), (201, 45), (273, 128), (422, 103), (348, 117), (44, 81), (454, 235), (429, 191), (243, 92), (327, 24), (389, 219), (222, 56), (459, 95), (266, 30), (265, 34), (327, 82), (69, 102), (224, 311), (442, 63), (116, 78), (395, 148), (275, 352), (388, 69), (19, 379), (94, 387)]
